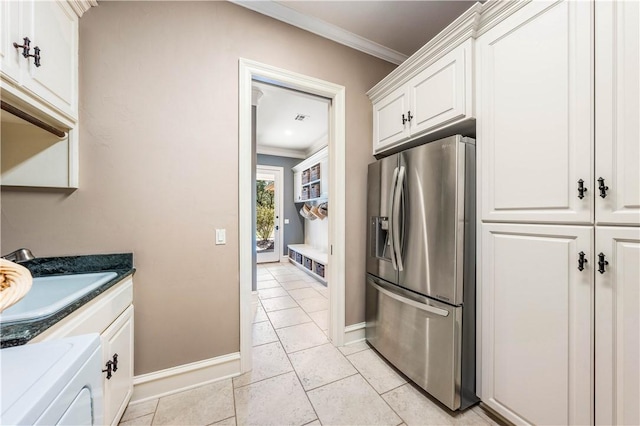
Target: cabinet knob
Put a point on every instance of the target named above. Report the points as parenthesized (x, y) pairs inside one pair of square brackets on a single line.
[(602, 263), (115, 362), (602, 187), (581, 261), (409, 116), (404, 120), (581, 189)]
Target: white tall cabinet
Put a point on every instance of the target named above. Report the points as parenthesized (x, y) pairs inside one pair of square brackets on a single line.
[(617, 213), (558, 106)]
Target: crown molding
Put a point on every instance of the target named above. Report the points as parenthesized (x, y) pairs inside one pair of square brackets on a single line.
[(81, 6), (459, 31), (494, 12), (318, 144), (280, 152), (323, 29)]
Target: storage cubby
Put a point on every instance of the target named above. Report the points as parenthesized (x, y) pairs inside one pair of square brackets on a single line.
[(312, 261), (310, 178)]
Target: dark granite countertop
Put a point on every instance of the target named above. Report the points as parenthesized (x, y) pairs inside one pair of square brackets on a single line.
[(19, 333)]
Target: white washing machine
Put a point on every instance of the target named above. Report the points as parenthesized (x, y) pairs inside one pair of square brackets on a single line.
[(52, 383)]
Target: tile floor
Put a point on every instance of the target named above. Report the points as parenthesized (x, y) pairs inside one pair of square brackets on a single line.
[(299, 377)]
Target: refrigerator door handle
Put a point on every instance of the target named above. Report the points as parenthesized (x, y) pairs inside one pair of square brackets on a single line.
[(397, 196), (417, 305), (394, 181)]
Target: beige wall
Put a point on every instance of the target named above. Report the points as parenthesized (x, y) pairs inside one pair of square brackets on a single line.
[(159, 163)]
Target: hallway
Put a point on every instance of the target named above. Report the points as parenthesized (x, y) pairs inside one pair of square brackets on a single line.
[(299, 377)]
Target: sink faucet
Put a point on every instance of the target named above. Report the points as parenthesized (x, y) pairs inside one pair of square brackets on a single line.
[(19, 256)]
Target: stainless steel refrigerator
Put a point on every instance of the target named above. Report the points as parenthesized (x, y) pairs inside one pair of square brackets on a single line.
[(420, 291)]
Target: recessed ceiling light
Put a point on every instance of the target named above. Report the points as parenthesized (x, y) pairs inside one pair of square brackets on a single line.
[(288, 132)]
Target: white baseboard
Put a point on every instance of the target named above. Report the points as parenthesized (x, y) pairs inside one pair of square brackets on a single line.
[(184, 377), (354, 333), (284, 259)]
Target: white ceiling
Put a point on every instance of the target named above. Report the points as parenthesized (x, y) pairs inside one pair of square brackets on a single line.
[(277, 130), (391, 30)]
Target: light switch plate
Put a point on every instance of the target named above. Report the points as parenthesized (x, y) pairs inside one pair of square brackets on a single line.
[(286, 221), (221, 236)]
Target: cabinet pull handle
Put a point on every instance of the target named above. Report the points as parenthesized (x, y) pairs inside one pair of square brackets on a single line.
[(108, 370), (24, 46), (581, 189), (115, 362), (404, 120), (36, 56), (409, 116), (581, 261), (602, 263), (603, 189)]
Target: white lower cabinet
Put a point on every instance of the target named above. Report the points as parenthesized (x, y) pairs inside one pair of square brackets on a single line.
[(110, 315), (618, 326), (537, 333), (117, 347)]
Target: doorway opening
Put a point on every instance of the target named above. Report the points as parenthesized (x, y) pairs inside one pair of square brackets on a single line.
[(249, 73), (269, 205)]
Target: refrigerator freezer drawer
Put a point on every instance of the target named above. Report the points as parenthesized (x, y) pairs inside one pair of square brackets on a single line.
[(421, 337)]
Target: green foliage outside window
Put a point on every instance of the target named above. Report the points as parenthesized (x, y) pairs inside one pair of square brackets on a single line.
[(265, 214)]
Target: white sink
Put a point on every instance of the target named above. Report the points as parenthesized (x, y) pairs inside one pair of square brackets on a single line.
[(48, 295)]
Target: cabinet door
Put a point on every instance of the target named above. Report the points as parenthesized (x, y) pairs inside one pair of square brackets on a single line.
[(118, 340), (441, 94), (618, 327), (617, 111), (535, 114), (10, 32), (388, 126), (54, 29), (537, 333), (297, 186)]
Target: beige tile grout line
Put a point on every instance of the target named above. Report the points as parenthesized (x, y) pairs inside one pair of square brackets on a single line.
[(357, 373), (292, 366)]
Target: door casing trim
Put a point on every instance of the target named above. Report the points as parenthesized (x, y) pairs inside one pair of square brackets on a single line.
[(249, 70)]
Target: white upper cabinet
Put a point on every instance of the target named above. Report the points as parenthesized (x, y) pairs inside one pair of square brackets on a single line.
[(537, 328), (390, 125), (617, 326), (55, 31), (437, 96), (535, 114), (442, 93), (617, 113), (432, 92), (10, 32), (50, 89)]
